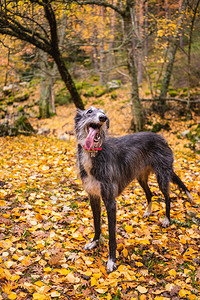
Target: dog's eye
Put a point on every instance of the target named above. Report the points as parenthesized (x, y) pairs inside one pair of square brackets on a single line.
[(89, 111)]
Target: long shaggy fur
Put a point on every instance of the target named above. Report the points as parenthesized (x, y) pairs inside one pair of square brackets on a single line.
[(107, 171)]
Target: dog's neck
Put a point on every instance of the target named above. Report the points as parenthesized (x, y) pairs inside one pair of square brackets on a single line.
[(95, 149), (93, 152)]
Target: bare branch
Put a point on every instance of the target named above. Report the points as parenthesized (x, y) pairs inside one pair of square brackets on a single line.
[(170, 99), (25, 37), (102, 3)]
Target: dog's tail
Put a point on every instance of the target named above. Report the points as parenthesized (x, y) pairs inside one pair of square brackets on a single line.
[(175, 179)]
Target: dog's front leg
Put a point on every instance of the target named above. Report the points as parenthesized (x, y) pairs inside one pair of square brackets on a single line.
[(95, 203), (111, 213)]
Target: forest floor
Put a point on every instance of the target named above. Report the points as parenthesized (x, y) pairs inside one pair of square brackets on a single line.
[(45, 220)]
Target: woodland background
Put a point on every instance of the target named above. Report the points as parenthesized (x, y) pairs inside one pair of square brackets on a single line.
[(139, 61)]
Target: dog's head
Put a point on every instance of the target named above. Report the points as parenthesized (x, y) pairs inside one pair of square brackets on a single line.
[(91, 126)]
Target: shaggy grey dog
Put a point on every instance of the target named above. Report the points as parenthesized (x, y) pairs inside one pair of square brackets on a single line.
[(107, 165)]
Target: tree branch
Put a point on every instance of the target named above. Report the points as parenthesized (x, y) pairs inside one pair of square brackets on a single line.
[(102, 3), (170, 99), (53, 26), (25, 37), (11, 23)]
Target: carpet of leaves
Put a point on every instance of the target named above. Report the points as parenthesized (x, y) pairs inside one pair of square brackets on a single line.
[(45, 220)]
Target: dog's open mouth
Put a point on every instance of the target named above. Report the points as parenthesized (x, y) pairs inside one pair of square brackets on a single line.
[(93, 141)]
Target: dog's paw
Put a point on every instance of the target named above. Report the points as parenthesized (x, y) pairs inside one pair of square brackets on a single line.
[(111, 265), (148, 212), (91, 245), (189, 196), (165, 222)]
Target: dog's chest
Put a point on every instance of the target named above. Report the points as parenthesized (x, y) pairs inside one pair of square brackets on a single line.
[(90, 183)]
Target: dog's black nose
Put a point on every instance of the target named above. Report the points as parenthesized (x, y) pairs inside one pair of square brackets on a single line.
[(102, 118)]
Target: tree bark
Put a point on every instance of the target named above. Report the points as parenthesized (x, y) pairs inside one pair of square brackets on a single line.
[(140, 49), (189, 51), (44, 107), (136, 106), (68, 80), (167, 77), (171, 58)]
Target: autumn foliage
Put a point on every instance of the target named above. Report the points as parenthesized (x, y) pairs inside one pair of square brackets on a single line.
[(45, 221)]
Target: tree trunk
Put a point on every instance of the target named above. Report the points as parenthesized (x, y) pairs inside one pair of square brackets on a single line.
[(171, 58), (136, 106), (140, 35), (146, 31), (102, 75), (112, 38), (137, 121), (66, 77), (44, 107), (47, 81), (189, 52), (166, 78)]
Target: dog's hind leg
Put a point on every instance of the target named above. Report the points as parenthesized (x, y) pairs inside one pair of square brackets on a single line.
[(95, 203), (163, 178), (143, 182), (177, 180)]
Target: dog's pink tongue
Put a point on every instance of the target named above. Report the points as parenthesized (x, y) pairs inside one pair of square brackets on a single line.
[(90, 139)]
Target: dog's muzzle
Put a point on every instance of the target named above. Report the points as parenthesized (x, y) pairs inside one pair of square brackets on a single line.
[(93, 140)]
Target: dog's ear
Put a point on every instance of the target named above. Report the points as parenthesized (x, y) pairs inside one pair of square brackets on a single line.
[(78, 116), (108, 123)]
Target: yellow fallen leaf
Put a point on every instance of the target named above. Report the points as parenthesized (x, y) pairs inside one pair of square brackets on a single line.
[(161, 298), (7, 274), (109, 297), (143, 297), (93, 281), (102, 290), (39, 283), (15, 257), (129, 229), (72, 279), (169, 287), (172, 272), (38, 296), (15, 278), (183, 293), (97, 275), (2, 202), (88, 273), (9, 263), (192, 297), (142, 289), (183, 241), (64, 271), (48, 269), (55, 294), (12, 296), (138, 264), (189, 251), (125, 252)]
